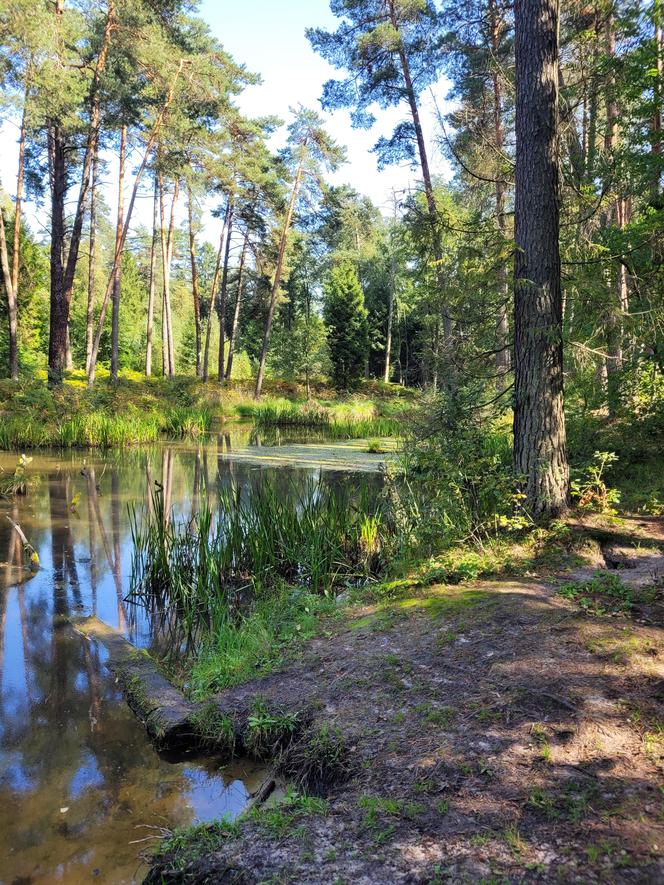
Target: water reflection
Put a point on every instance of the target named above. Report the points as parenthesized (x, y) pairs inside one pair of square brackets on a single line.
[(79, 783)]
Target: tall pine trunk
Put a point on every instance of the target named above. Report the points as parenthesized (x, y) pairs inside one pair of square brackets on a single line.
[(237, 308), (167, 238), (223, 298), (194, 281), (437, 246), (117, 280), (503, 360), (540, 452), (125, 230), (90, 314), (278, 272), (59, 313), (63, 268), (213, 292), (12, 308), (151, 284)]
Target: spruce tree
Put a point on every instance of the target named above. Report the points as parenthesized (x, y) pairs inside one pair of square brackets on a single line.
[(346, 319)]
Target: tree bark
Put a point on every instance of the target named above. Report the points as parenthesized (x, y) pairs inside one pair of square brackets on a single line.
[(151, 284), (90, 315), (222, 299), (118, 252), (194, 282), (16, 252), (62, 277), (540, 452), (12, 309), (117, 280), (236, 310), (213, 292), (167, 242), (503, 361), (278, 274), (390, 316), (59, 312)]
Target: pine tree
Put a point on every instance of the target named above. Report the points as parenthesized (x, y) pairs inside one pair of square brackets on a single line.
[(346, 319)]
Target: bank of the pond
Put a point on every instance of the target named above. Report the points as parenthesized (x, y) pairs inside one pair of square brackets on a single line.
[(138, 410), (499, 731)]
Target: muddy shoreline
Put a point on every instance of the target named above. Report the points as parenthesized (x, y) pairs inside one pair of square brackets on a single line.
[(490, 733)]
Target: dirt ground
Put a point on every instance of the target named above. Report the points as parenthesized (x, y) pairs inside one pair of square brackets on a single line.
[(495, 733)]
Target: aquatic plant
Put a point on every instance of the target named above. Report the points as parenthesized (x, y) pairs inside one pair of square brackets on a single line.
[(206, 570)]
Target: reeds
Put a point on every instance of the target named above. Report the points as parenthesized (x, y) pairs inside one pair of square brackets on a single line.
[(214, 566), (355, 420)]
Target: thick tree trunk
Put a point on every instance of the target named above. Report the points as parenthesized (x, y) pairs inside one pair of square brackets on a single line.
[(540, 453), (12, 309), (236, 310), (278, 274), (213, 293), (222, 300), (90, 314), (59, 312), (117, 280), (151, 285), (194, 282)]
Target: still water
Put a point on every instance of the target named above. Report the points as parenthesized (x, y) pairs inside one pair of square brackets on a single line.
[(82, 791)]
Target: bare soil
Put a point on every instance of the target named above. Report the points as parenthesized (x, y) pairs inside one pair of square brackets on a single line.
[(496, 733)]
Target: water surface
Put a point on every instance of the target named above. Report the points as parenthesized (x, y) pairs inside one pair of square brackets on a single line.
[(82, 791)]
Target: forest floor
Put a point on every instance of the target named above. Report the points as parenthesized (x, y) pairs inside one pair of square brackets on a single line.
[(503, 731)]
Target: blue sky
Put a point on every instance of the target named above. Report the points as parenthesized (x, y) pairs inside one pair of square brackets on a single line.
[(268, 37)]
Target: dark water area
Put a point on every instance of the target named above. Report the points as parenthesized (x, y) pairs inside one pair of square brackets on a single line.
[(82, 791)]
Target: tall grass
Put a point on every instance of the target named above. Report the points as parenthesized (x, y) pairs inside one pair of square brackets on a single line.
[(209, 568), (354, 420), (103, 430)]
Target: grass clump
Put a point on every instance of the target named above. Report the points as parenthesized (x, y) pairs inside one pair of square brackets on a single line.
[(606, 593), (214, 730), (186, 845), (282, 820), (268, 731), (318, 760)]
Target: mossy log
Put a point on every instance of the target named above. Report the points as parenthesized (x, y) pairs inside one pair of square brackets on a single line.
[(164, 710)]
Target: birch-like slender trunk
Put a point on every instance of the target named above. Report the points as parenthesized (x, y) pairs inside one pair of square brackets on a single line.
[(117, 280), (237, 308), (278, 274), (151, 284), (194, 281), (213, 294), (118, 252), (223, 298)]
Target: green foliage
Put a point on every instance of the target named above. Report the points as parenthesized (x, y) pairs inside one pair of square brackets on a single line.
[(269, 732), (188, 844), (589, 488), (346, 320), (603, 594), (458, 481)]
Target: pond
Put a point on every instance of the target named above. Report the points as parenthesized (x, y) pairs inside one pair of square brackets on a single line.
[(82, 791)]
